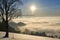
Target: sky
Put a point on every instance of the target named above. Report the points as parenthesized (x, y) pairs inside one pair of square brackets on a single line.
[(44, 7)]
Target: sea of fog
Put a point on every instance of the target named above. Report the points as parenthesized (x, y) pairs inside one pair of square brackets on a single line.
[(39, 22), (49, 25)]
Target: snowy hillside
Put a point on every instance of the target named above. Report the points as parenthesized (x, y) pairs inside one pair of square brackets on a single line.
[(15, 36)]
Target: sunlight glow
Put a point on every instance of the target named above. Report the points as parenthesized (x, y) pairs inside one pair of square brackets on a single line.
[(32, 8)]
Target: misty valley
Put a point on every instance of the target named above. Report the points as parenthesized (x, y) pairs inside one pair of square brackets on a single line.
[(40, 26)]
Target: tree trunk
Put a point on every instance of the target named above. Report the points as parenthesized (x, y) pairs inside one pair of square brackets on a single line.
[(7, 32)]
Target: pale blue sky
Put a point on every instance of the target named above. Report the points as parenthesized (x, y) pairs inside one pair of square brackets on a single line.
[(45, 7)]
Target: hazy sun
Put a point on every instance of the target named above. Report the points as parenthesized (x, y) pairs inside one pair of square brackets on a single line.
[(33, 8)]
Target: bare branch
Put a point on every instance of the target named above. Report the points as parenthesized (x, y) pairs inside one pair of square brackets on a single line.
[(7, 8), (11, 2)]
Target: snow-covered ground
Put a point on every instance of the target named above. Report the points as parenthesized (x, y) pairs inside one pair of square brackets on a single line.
[(15, 36)]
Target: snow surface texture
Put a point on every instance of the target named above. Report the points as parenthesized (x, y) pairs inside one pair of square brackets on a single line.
[(15, 36)]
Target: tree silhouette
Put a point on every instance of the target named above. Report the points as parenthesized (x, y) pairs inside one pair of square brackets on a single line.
[(7, 9)]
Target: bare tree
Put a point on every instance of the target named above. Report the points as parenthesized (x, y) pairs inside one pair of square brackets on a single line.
[(7, 9)]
